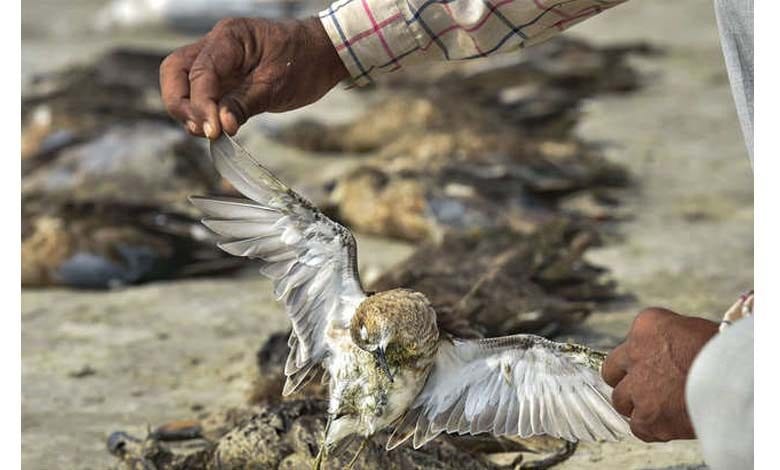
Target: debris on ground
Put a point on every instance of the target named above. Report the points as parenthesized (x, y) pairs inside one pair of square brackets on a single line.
[(287, 435)]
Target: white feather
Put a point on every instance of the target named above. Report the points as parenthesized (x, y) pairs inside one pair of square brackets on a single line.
[(310, 258), (522, 385)]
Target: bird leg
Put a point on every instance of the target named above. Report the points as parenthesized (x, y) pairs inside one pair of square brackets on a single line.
[(321, 454), (357, 454)]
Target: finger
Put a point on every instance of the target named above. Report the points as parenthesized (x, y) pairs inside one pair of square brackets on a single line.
[(215, 64), (189, 122), (175, 83), (204, 93), (228, 120), (194, 128), (615, 365), (640, 430), (621, 398)]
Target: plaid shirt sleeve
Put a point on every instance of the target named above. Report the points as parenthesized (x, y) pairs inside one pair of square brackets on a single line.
[(379, 36)]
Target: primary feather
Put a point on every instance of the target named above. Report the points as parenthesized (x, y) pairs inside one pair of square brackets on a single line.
[(514, 385), (311, 259)]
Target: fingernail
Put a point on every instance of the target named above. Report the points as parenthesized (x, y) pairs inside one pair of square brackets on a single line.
[(192, 127), (208, 130), (229, 122)]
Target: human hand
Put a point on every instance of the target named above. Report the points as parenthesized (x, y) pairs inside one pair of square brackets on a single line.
[(649, 369), (246, 66)]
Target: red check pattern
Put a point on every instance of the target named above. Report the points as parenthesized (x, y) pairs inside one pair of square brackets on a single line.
[(379, 36)]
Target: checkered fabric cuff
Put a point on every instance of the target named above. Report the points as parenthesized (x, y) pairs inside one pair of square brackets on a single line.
[(370, 36), (374, 36)]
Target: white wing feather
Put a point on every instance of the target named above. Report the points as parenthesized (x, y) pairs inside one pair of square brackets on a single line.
[(516, 385), (311, 259)]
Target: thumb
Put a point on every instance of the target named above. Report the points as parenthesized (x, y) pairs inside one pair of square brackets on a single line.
[(615, 366), (237, 106)]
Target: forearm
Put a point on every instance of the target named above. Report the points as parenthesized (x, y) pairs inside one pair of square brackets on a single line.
[(380, 36)]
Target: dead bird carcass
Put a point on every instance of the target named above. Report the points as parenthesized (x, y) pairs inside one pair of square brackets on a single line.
[(502, 153), (105, 174)]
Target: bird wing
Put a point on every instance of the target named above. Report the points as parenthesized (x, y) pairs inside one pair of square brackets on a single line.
[(311, 259), (515, 385)]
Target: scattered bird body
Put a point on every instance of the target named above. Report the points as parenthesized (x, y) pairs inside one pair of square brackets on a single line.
[(387, 363)]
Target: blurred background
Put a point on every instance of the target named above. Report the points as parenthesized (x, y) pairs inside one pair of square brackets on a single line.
[(564, 189)]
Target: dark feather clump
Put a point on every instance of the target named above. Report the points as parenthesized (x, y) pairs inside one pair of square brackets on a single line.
[(500, 282)]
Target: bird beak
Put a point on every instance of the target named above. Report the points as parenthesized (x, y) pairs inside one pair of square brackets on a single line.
[(381, 361)]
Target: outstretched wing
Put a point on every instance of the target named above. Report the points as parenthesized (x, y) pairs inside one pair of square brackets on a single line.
[(516, 385), (311, 259)]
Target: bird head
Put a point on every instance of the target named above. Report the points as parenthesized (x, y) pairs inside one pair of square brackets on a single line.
[(373, 334), (395, 326)]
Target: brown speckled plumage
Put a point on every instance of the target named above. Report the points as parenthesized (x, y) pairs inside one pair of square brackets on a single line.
[(405, 315)]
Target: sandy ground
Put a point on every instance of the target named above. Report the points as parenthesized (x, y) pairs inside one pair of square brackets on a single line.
[(93, 363)]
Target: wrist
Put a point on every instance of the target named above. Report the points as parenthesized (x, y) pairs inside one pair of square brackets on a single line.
[(323, 51)]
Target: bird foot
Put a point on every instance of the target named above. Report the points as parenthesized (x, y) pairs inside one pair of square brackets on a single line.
[(357, 454), (317, 465)]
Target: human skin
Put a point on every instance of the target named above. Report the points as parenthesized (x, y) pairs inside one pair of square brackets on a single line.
[(649, 369), (247, 66)]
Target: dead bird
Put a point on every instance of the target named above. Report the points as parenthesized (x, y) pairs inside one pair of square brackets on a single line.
[(430, 172), (505, 282), (104, 245), (387, 361), (504, 153), (111, 210), (76, 104)]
